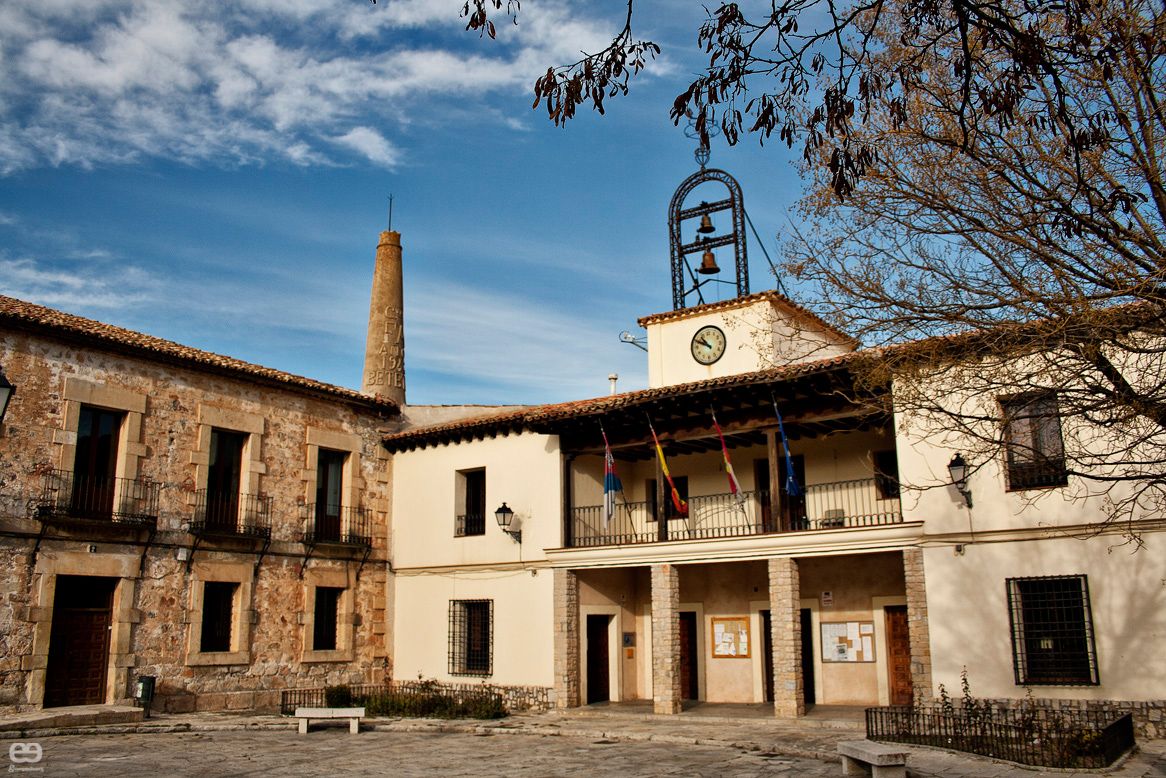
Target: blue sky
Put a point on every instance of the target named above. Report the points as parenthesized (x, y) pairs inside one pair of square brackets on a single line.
[(217, 172)]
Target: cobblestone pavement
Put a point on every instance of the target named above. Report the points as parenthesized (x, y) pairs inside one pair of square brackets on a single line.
[(429, 754), (552, 744)]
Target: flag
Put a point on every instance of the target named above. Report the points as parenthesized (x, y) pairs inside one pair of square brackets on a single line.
[(680, 505), (792, 488), (611, 482), (734, 484)]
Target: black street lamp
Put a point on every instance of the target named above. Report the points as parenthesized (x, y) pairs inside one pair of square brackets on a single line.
[(6, 392), (505, 517)]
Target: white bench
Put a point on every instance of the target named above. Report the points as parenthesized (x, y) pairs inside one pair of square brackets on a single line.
[(308, 715), (885, 761)]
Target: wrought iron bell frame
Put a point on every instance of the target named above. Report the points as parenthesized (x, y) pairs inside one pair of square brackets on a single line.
[(682, 271)]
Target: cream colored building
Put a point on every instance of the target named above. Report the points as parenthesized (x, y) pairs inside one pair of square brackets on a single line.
[(876, 584)]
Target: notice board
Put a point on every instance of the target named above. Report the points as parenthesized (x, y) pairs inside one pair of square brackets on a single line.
[(731, 637), (848, 641)]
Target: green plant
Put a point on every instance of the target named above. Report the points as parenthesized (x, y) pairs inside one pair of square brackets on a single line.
[(338, 697)]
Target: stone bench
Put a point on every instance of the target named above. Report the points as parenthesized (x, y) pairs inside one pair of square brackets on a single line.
[(308, 715), (885, 761)]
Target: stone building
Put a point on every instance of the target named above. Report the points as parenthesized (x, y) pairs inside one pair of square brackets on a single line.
[(174, 513)]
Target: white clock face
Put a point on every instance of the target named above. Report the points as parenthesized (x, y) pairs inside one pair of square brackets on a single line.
[(708, 345)]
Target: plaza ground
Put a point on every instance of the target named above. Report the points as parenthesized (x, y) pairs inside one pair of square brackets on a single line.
[(593, 741)]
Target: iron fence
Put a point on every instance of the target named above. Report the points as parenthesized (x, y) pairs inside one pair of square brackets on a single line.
[(416, 698), (68, 495), (1037, 737), (469, 524), (837, 505), (246, 515), (340, 524)]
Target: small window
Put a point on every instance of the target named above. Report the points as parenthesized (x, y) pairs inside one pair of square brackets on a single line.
[(471, 632), (470, 517), (886, 472), (1032, 439), (325, 624), (218, 607), (1052, 631), (329, 493)]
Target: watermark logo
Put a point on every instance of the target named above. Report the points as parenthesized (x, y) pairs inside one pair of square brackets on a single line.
[(23, 754)]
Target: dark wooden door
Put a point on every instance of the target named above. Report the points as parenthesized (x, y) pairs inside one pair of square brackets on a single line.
[(809, 695), (793, 509), (898, 655), (95, 464), (767, 653), (689, 678), (598, 677), (79, 641), (222, 483), (761, 492), (329, 484)]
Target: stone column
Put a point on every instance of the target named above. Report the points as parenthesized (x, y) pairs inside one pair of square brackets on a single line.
[(917, 623), (566, 639), (785, 617), (384, 350), (665, 638)]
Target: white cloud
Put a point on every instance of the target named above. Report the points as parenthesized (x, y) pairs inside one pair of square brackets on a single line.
[(244, 81), (77, 287), (371, 144)]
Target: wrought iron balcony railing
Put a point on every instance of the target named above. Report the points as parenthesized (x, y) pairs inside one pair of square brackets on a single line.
[(826, 506), (469, 524), (70, 496), (241, 515), (339, 524)]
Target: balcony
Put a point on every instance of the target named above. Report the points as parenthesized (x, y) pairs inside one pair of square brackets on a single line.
[(828, 506), (66, 497), (469, 524), (337, 525), (245, 516)]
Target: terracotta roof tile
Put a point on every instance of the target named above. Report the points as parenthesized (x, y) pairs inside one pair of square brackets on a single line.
[(538, 415), (29, 316)]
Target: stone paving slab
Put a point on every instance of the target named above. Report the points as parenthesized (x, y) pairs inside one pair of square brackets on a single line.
[(526, 744)]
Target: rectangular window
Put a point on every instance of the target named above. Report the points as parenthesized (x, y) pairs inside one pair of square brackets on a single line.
[(325, 625), (222, 483), (95, 464), (470, 518), (1052, 631), (329, 491), (1032, 439), (471, 632), (886, 473), (218, 608)]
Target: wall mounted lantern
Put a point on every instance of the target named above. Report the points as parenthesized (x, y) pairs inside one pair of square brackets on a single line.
[(505, 517), (957, 468), (6, 392)]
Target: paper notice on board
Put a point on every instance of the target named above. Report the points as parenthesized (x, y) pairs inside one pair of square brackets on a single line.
[(867, 647), (852, 631), (866, 629)]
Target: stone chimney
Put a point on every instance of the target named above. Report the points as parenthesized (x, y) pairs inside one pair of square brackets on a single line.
[(384, 351)]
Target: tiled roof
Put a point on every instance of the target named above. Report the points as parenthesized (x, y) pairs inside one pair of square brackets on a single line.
[(19, 314), (540, 416), (740, 302)]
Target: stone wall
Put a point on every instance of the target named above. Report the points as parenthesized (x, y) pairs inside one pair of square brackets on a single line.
[(169, 410)]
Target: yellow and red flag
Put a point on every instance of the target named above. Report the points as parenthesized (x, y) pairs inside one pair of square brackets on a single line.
[(680, 505)]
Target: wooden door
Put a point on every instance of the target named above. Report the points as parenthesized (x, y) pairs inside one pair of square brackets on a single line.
[(761, 492), (898, 655), (222, 483), (809, 694), (767, 653), (95, 463), (689, 677), (598, 677), (793, 509), (329, 484), (79, 641)]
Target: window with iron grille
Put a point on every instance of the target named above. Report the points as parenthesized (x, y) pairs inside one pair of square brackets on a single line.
[(470, 515), (471, 637), (1052, 631), (324, 621), (1034, 447), (218, 606)]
